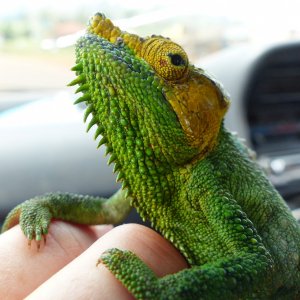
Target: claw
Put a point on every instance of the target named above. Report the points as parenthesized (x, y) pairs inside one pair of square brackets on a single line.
[(38, 244), (99, 261)]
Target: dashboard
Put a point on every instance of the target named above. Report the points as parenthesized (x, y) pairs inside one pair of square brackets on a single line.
[(272, 104), (266, 108)]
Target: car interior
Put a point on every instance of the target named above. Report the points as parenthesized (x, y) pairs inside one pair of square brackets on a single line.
[(265, 109), (44, 146)]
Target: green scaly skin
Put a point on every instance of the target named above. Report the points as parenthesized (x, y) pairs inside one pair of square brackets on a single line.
[(215, 206)]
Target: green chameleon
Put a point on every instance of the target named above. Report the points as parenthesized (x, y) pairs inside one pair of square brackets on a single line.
[(161, 119)]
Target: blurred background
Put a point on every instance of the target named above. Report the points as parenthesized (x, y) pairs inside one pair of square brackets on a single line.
[(43, 145), (37, 37)]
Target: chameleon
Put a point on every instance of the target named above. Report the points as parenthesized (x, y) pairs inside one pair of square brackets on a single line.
[(162, 121)]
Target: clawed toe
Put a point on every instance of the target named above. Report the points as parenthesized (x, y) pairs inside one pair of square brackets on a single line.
[(36, 236), (37, 242)]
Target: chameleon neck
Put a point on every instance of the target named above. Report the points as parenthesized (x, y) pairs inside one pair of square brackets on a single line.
[(162, 192)]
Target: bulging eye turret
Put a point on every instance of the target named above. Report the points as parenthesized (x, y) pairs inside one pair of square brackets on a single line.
[(168, 59)]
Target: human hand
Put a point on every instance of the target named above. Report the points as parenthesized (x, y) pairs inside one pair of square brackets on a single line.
[(65, 268)]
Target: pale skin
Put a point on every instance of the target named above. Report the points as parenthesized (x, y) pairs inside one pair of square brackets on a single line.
[(66, 266)]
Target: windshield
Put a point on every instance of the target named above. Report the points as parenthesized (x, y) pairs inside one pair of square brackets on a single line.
[(37, 37)]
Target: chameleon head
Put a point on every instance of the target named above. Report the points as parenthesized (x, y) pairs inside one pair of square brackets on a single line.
[(152, 107)]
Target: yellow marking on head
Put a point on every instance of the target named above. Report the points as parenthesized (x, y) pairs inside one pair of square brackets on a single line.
[(103, 27), (200, 106), (167, 59)]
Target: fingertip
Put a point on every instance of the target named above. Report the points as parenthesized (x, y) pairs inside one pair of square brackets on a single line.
[(100, 230), (159, 254), (39, 261), (95, 278)]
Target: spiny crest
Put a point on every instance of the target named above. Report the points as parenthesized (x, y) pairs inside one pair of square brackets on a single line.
[(85, 98), (78, 80), (100, 131), (93, 122)]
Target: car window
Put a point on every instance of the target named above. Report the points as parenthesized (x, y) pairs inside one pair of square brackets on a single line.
[(37, 37)]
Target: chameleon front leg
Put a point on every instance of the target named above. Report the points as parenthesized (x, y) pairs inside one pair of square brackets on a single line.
[(34, 215), (241, 272), (236, 277)]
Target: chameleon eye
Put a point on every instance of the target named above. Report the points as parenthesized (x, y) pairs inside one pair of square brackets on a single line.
[(167, 59), (176, 59)]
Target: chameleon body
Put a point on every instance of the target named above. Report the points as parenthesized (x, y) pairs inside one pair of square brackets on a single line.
[(161, 119)]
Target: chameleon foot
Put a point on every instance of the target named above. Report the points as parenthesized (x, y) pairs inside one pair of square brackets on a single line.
[(134, 274), (34, 218)]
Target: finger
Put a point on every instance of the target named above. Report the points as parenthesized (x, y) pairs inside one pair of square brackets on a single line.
[(23, 269), (81, 279)]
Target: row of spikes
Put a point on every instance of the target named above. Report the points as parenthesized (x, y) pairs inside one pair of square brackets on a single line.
[(86, 97)]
